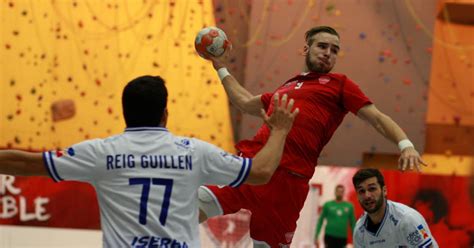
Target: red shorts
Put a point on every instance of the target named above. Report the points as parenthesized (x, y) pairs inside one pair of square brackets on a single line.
[(275, 206)]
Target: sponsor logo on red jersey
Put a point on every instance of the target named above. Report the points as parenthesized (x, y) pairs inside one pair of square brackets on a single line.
[(229, 230), (324, 79)]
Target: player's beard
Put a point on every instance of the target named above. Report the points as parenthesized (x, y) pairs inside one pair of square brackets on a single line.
[(315, 67), (378, 205)]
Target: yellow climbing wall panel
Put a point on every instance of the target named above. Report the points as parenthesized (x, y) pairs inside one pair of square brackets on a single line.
[(85, 52)]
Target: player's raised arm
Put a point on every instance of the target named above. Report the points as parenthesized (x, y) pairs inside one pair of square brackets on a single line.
[(20, 163), (409, 157), (211, 43), (238, 95), (280, 122)]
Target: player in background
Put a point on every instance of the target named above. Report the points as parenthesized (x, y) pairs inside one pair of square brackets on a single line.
[(324, 99), (338, 215), (386, 223), (146, 178)]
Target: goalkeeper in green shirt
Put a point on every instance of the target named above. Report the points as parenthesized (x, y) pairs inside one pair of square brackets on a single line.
[(338, 214)]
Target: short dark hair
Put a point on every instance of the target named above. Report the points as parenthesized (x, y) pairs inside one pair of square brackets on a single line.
[(340, 186), (437, 201), (144, 101), (364, 174), (325, 29)]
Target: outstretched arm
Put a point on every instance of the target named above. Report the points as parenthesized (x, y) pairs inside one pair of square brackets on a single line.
[(20, 163), (238, 95), (409, 157)]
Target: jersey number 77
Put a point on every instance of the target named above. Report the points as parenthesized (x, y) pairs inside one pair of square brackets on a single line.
[(146, 182)]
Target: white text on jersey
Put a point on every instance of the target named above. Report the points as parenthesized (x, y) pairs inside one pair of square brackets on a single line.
[(122, 161)]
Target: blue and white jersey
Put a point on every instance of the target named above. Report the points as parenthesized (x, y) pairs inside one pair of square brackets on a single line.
[(147, 181), (401, 226)]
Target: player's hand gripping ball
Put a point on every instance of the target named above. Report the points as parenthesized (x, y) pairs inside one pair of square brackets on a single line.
[(211, 41)]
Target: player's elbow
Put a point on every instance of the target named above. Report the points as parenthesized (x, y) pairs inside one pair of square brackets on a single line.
[(251, 105), (263, 166), (246, 107), (265, 177)]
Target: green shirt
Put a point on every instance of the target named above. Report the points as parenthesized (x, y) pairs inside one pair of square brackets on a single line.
[(338, 216)]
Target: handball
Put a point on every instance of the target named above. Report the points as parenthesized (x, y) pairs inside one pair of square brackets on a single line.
[(211, 41)]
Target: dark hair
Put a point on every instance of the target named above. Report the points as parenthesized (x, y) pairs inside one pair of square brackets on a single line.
[(437, 201), (144, 101), (325, 29), (364, 174), (339, 186)]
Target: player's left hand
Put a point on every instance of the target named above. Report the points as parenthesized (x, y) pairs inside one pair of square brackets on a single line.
[(410, 159)]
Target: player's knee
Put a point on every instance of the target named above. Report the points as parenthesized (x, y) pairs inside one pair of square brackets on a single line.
[(208, 205)]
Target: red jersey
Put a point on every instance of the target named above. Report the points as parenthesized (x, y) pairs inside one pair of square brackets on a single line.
[(323, 100)]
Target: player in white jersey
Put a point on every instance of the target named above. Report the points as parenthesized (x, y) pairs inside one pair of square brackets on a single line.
[(146, 178), (386, 223)]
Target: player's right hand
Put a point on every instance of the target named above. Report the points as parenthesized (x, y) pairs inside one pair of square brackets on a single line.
[(221, 61), (283, 114)]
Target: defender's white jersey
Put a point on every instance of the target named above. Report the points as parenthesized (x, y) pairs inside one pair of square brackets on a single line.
[(401, 226), (147, 181)]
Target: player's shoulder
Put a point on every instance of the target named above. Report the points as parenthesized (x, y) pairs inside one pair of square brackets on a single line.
[(360, 224), (90, 143), (89, 147), (113, 140), (107, 140), (187, 143), (338, 76), (404, 213), (192, 144), (400, 209), (342, 78), (412, 226)]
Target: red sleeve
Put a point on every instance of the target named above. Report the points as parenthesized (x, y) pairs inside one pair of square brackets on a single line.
[(353, 97), (266, 100)]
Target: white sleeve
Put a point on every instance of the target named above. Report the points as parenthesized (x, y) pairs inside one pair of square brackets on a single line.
[(416, 232), (221, 168), (74, 163)]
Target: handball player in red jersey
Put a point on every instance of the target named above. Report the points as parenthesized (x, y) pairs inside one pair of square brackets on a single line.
[(324, 99)]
